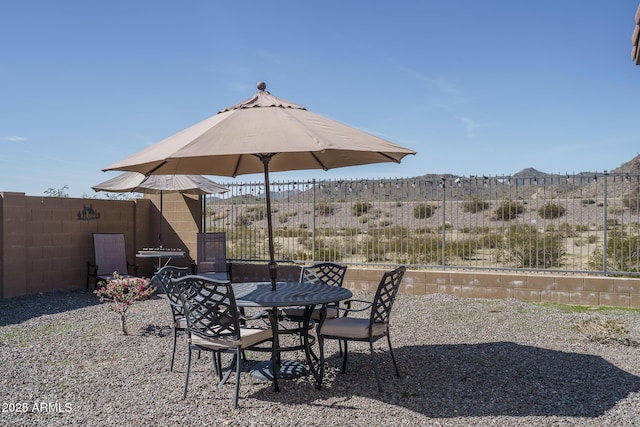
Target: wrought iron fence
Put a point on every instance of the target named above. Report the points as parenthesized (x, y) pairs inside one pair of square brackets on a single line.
[(584, 223)]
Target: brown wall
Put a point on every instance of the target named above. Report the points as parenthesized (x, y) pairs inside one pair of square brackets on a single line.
[(45, 243)]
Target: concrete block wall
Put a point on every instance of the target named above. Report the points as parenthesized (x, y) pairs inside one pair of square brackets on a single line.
[(562, 289), (46, 242)]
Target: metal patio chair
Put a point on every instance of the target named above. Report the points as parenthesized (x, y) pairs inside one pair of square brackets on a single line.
[(162, 280), (366, 329), (110, 255), (212, 255), (214, 323), (324, 272)]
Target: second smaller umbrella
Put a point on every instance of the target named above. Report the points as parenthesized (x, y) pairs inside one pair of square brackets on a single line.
[(133, 182)]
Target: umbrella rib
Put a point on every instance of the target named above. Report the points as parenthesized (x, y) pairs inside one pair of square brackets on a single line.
[(322, 165), (394, 160)]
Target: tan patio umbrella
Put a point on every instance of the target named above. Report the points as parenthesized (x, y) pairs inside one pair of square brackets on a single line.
[(134, 182), (262, 134)]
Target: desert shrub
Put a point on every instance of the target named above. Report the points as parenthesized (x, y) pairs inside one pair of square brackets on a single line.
[(509, 209), (327, 254), (475, 204), (582, 228), (423, 210), (465, 249), (551, 211), (447, 226), (325, 209), (526, 247), (255, 213), (398, 232), (384, 223), (631, 201), (424, 250), (615, 210), (567, 230), (242, 221), (360, 208), (623, 254), (604, 331), (588, 201), (301, 256)]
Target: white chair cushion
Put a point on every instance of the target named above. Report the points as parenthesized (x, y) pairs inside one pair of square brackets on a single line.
[(350, 327), (181, 323), (248, 337)]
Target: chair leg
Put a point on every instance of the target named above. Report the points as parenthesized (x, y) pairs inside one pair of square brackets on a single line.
[(217, 364), (173, 354), (186, 377), (234, 363), (393, 359), (344, 359), (375, 367), (321, 362), (237, 358)]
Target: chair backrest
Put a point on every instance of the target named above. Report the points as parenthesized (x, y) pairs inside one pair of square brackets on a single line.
[(386, 295), (162, 279), (110, 253), (324, 272), (210, 307), (212, 252)]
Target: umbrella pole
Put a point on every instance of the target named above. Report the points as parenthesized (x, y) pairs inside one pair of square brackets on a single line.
[(273, 266), (160, 235)]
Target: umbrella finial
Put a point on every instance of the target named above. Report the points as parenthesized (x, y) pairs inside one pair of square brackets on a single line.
[(262, 86)]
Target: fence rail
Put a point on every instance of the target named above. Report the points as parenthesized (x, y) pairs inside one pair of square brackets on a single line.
[(584, 223)]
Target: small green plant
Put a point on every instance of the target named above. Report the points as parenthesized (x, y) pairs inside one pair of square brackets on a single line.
[(551, 211)]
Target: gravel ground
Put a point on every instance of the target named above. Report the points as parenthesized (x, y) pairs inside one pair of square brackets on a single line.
[(463, 362)]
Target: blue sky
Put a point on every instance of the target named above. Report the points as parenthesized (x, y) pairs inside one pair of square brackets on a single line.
[(475, 87)]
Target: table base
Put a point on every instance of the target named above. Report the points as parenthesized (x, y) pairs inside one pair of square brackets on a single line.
[(289, 369)]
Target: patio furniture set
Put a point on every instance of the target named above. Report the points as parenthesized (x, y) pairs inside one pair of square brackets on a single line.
[(210, 311)]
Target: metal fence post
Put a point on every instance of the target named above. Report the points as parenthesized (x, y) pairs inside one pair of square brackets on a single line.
[(444, 221), (604, 219), (313, 223)]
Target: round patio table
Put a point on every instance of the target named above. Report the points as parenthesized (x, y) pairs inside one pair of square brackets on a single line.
[(287, 294)]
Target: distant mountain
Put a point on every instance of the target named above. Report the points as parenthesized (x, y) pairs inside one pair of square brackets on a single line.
[(632, 166)]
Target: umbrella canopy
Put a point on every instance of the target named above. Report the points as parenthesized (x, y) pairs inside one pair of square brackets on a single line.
[(134, 182), (262, 134)]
